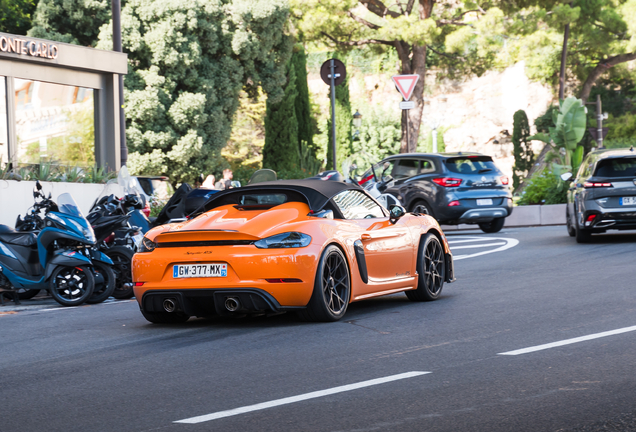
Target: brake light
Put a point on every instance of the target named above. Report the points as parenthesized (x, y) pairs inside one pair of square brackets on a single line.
[(139, 283), (588, 185), (504, 180), (448, 181), (453, 203), (590, 218)]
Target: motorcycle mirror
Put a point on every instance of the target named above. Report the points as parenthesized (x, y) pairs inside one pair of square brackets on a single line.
[(50, 195), (235, 184), (38, 185)]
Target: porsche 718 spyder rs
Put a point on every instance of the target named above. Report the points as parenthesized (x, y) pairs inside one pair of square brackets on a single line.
[(309, 246)]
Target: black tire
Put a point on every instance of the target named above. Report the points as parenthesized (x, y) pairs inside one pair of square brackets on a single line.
[(165, 317), (582, 235), (493, 226), (105, 289), (568, 222), (422, 207), (332, 288), (122, 258), (431, 270), (71, 286), (25, 294)]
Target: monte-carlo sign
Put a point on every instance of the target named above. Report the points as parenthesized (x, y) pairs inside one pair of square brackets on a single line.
[(28, 47)]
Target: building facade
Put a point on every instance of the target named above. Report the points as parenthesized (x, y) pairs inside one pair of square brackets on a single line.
[(59, 103)]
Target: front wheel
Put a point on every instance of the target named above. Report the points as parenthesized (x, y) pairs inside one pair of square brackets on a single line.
[(104, 283), (71, 286), (332, 288), (122, 258), (493, 226), (431, 270)]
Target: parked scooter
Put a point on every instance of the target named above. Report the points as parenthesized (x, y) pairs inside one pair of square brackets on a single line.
[(58, 257)]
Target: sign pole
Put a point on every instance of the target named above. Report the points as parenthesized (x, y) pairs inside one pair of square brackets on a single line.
[(599, 122), (332, 69)]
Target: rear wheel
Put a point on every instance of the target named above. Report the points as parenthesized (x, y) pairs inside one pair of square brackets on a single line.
[(165, 317), (431, 270), (568, 223), (71, 286), (104, 283), (582, 235), (493, 226), (332, 288), (122, 258), (422, 207)]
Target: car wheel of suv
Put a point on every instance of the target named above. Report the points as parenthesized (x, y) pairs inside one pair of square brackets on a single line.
[(568, 223), (582, 235), (422, 207), (493, 226)]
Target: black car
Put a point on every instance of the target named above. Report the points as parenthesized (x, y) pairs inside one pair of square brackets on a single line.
[(454, 188), (603, 194)]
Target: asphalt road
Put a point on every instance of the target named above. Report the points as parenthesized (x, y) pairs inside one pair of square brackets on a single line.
[(475, 360)]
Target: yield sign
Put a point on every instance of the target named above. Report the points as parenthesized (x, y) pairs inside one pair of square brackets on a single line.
[(405, 84)]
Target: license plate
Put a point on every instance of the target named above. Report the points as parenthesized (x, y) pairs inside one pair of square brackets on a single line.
[(484, 201), (628, 201), (199, 270)]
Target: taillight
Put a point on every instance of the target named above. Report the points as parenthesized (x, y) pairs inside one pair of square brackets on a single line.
[(590, 219), (588, 185), (504, 180), (139, 283), (453, 203), (448, 181)]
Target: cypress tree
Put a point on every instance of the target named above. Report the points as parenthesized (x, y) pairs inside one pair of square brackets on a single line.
[(303, 108), (344, 122), (524, 156), (281, 128)]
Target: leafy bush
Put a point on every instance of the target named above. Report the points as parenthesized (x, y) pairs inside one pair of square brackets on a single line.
[(544, 188)]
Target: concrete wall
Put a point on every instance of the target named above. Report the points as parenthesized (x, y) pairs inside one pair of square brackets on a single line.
[(16, 198), (535, 215)]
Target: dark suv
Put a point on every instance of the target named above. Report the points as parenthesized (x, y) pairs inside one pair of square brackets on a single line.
[(603, 194), (454, 188)]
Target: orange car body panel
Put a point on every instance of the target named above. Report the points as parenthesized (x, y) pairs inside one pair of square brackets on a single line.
[(390, 252)]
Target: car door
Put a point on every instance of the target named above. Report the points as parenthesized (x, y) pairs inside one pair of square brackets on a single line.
[(388, 248)]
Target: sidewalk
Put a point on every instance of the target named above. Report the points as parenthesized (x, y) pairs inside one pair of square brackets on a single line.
[(525, 216)]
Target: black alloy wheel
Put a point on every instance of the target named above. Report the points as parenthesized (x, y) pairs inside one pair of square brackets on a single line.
[(71, 286), (431, 270), (568, 222), (493, 226), (582, 235), (332, 288), (421, 207), (104, 283), (122, 258)]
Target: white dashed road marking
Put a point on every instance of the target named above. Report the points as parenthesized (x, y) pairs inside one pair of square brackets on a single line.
[(302, 397), (570, 341), (498, 243)]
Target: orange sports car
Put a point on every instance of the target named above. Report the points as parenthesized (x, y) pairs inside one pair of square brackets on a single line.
[(309, 246)]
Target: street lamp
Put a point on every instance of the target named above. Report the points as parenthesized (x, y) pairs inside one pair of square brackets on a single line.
[(357, 122)]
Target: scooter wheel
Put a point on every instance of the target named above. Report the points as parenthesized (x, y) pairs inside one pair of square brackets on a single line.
[(104, 283), (71, 286), (122, 257)]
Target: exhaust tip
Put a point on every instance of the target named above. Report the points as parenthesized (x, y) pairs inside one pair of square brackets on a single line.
[(169, 305), (232, 304)]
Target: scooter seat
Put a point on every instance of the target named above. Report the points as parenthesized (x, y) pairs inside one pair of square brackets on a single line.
[(11, 236)]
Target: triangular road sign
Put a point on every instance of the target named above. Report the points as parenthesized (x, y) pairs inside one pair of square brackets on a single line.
[(405, 84)]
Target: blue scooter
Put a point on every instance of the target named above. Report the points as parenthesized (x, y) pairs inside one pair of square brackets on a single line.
[(58, 258)]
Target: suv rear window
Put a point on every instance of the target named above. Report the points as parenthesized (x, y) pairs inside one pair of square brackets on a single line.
[(471, 164), (617, 167)]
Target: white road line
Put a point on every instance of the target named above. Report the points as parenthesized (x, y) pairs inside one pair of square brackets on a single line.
[(477, 246), (570, 341), (508, 243), (302, 397), (472, 240)]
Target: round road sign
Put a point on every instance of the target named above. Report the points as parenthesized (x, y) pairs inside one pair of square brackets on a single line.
[(340, 72)]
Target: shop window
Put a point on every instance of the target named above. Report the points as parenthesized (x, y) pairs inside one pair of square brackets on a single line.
[(54, 123)]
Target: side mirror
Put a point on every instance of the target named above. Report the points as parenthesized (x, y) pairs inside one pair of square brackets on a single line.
[(235, 184), (566, 176), (396, 212)]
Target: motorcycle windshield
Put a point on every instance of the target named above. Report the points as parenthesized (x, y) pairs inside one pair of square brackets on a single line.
[(67, 204)]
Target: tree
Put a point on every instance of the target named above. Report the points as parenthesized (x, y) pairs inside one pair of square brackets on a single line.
[(188, 63), (281, 151), (344, 121), (524, 156), (16, 15), (302, 104), (70, 21)]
